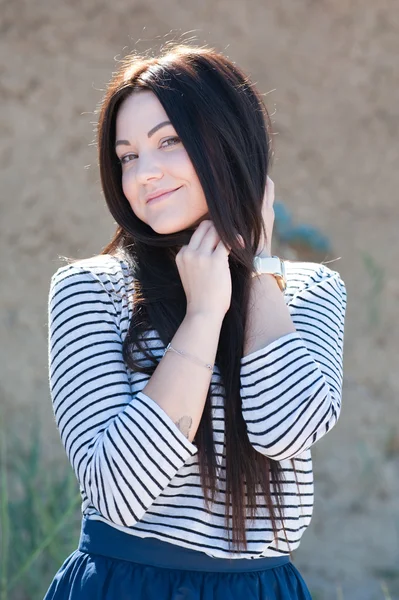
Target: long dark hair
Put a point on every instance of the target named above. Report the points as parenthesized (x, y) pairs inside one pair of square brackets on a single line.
[(225, 129)]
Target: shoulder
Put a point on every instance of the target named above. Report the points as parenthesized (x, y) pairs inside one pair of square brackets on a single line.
[(312, 279), (104, 271)]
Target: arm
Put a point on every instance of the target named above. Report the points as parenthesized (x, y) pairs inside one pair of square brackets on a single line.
[(291, 388), (180, 385), (124, 449)]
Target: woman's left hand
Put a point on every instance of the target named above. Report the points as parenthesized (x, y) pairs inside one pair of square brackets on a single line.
[(264, 248)]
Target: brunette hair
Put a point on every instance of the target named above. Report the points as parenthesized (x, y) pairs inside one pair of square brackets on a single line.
[(225, 129)]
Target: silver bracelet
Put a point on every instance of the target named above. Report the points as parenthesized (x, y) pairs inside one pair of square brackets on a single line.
[(169, 347)]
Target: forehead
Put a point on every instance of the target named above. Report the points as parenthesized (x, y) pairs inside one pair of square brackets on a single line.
[(139, 112)]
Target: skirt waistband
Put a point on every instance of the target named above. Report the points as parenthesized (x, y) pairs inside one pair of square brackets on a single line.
[(97, 537)]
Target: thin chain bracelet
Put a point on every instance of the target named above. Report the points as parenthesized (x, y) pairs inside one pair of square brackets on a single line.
[(169, 347)]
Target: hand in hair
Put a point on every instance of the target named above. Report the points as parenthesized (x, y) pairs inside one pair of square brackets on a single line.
[(205, 272)]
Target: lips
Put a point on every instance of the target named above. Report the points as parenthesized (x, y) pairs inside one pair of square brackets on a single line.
[(162, 196)]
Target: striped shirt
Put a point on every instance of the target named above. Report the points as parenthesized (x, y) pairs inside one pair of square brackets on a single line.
[(136, 470)]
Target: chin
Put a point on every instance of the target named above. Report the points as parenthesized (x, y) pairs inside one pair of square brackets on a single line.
[(167, 226), (165, 230)]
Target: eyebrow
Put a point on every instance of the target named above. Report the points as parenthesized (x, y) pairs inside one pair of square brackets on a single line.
[(149, 134)]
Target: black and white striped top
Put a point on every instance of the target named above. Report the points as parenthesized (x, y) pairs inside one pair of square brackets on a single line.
[(136, 470)]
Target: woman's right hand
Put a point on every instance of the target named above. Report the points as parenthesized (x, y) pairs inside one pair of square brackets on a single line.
[(204, 270)]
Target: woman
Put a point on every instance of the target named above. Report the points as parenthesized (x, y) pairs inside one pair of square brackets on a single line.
[(187, 392)]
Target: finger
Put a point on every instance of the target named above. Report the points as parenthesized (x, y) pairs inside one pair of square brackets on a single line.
[(210, 239), (270, 191), (221, 248), (199, 234)]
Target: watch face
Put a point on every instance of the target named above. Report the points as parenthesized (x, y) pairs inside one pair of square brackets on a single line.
[(272, 265)]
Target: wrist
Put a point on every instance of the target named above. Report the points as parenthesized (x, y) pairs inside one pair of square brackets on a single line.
[(265, 279)]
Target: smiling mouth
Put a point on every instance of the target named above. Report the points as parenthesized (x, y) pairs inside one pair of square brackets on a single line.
[(162, 196)]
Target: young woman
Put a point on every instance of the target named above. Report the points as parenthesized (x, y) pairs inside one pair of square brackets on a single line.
[(187, 391)]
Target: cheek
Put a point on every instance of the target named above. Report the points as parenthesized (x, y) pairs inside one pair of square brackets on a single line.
[(128, 185), (179, 165)]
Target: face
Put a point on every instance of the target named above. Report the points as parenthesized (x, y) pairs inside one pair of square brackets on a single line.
[(153, 160)]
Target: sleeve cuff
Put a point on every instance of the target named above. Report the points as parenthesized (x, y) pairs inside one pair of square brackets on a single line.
[(275, 349)]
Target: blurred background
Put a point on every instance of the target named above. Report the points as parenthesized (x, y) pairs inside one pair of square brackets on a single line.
[(327, 69)]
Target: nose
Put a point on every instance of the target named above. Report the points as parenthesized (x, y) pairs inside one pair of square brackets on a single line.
[(148, 168)]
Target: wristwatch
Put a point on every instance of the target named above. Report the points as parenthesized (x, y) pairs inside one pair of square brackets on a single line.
[(272, 265)]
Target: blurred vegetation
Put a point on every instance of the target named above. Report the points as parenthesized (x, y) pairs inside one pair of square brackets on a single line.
[(39, 515), (302, 235)]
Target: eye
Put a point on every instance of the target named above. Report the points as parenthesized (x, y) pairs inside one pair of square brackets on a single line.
[(175, 140), (122, 159)]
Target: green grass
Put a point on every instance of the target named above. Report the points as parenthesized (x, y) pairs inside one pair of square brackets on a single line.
[(40, 516)]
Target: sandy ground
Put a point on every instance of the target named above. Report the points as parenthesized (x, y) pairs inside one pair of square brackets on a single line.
[(328, 69)]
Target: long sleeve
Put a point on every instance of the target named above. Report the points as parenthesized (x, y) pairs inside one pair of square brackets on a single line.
[(291, 389), (124, 450)]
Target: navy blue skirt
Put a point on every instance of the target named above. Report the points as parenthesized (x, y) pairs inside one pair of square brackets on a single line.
[(112, 565)]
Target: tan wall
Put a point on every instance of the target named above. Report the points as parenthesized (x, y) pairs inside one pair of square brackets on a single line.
[(331, 69)]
